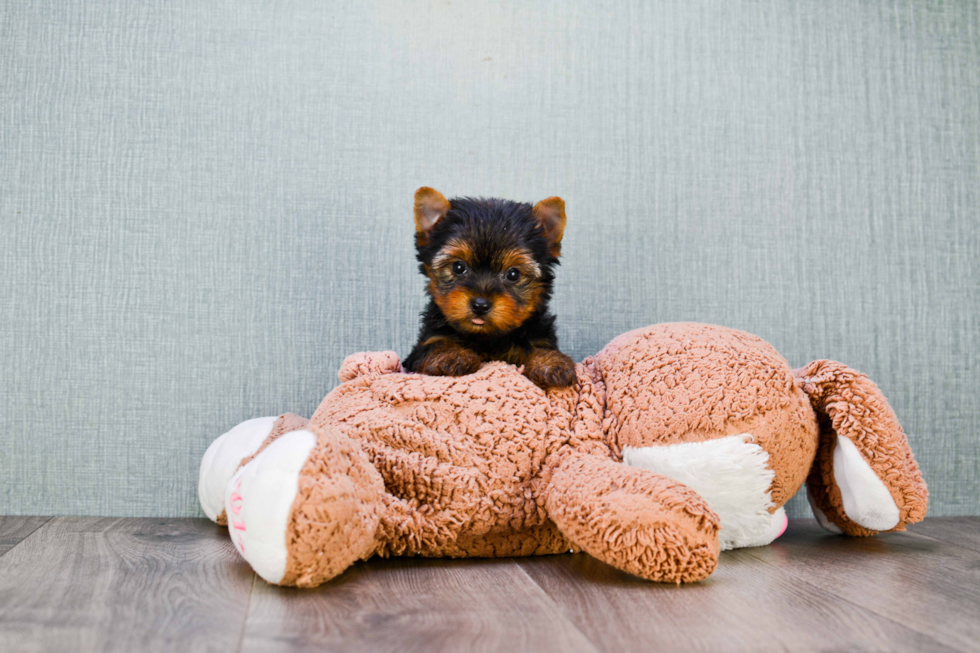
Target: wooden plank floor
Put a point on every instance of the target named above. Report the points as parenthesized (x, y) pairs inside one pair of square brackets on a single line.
[(98, 584)]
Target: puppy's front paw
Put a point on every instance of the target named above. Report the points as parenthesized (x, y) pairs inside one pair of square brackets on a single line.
[(450, 361), (549, 368)]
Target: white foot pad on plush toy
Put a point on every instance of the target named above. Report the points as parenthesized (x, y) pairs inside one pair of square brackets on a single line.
[(867, 501), (732, 474), (259, 499), (222, 459)]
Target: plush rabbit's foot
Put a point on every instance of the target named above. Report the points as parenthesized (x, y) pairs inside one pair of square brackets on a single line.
[(304, 508), (222, 459), (226, 454), (637, 521)]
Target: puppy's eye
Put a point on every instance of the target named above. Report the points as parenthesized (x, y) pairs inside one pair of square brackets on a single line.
[(513, 274), (459, 268)]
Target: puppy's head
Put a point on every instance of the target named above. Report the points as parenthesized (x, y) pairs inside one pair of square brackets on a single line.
[(489, 262)]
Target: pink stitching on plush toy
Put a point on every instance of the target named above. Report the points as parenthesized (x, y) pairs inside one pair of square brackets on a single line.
[(236, 500), (240, 526)]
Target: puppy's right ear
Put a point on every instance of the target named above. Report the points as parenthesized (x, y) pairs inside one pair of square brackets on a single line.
[(430, 208)]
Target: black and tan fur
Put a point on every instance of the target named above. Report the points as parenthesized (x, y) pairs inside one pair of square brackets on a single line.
[(490, 268)]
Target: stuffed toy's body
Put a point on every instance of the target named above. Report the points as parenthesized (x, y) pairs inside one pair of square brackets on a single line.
[(675, 442)]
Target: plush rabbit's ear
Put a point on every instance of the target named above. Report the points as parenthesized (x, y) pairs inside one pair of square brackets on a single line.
[(864, 479), (430, 207), (550, 214)]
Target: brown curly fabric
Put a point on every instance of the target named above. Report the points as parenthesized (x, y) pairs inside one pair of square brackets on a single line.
[(382, 362), (690, 382), (465, 460), (335, 513), (635, 520), (849, 404)]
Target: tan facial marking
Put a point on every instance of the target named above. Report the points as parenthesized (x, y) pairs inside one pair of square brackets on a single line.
[(441, 268), (522, 260), (510, 307), (455, 305)]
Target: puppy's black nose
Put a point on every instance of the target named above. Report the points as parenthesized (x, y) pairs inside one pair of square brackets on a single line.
[(480, 306)]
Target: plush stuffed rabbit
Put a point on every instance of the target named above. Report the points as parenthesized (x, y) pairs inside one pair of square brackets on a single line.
[(676, 441)]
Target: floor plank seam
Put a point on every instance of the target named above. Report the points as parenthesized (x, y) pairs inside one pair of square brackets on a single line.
[(248, 610), (844, 599), (944, 541), (568, 617), (33, 530)]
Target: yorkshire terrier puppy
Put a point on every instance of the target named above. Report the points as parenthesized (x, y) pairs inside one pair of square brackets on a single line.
[(489, 264)]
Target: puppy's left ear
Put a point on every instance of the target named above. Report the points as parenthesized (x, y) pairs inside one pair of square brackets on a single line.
[(550, 214), (430, 207)]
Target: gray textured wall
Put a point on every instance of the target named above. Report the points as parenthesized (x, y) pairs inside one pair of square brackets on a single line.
[(206, 206)]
